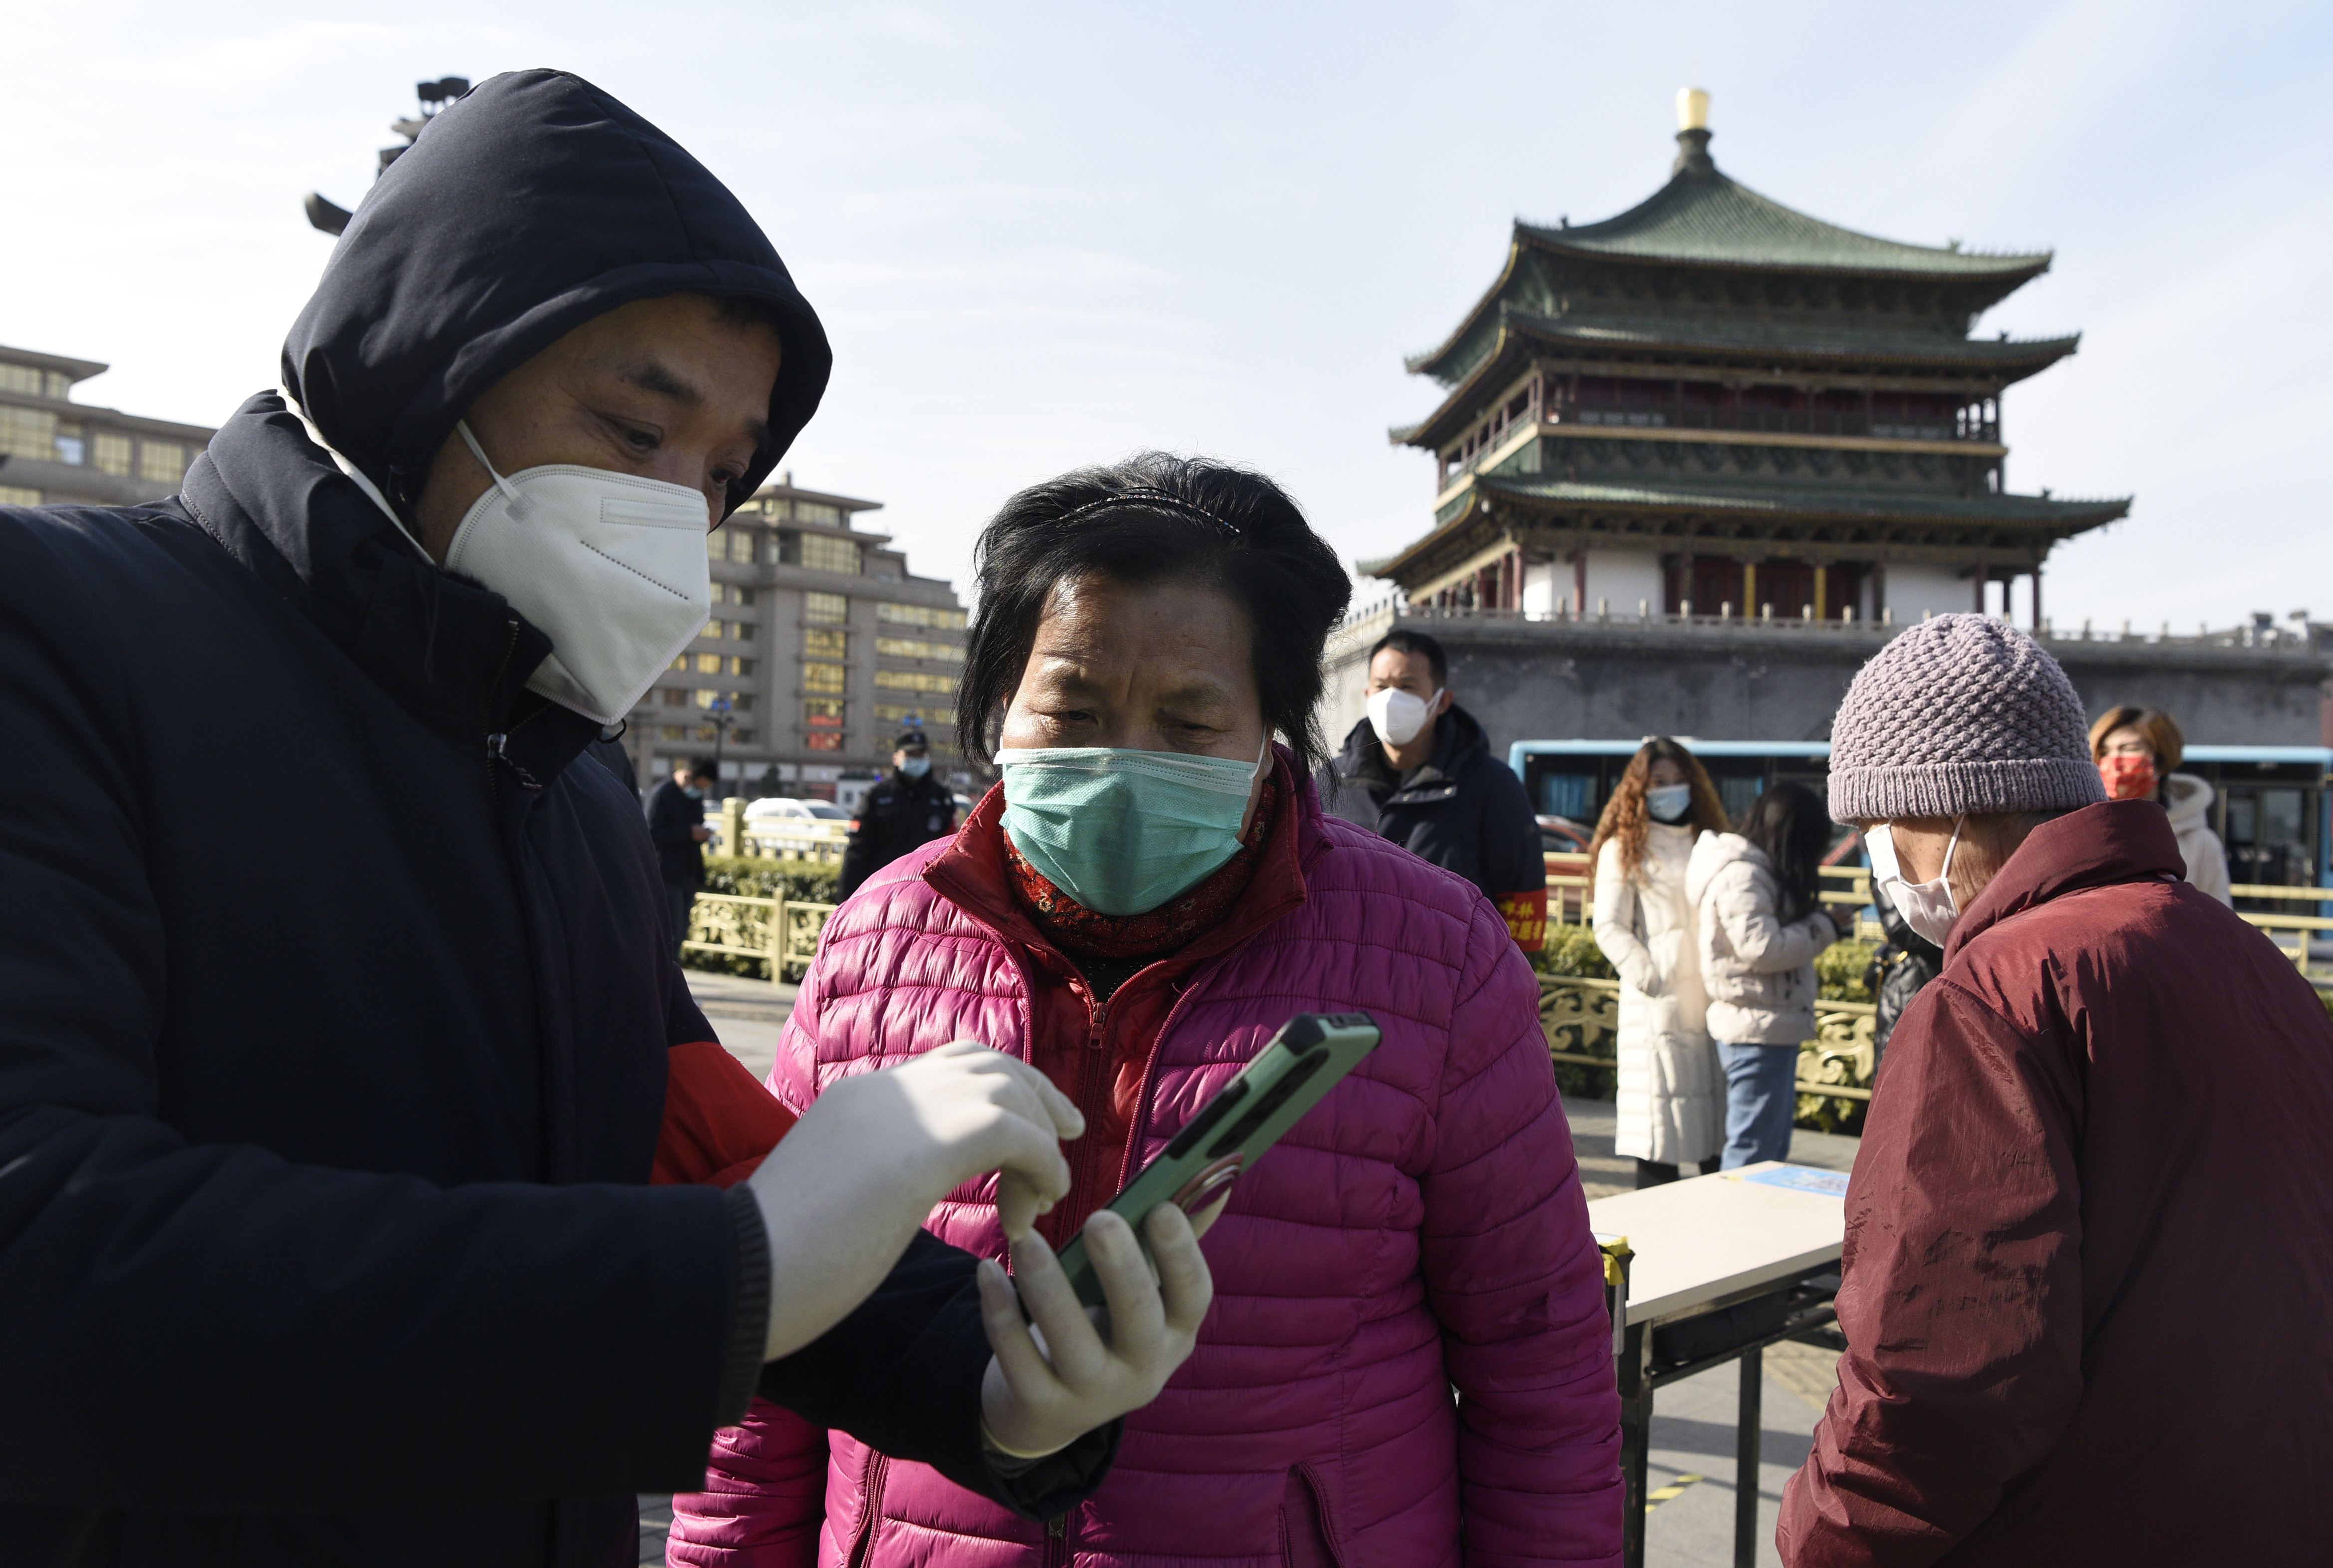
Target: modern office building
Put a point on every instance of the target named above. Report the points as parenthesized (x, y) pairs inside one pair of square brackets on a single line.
[(822, 643), (54, 450)]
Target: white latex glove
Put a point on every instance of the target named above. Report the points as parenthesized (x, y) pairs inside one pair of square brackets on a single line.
[(1053, 1381), (843, 1194)]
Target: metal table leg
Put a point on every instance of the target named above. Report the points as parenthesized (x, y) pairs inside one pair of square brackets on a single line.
[(1636, 1439), (1745, 1462)]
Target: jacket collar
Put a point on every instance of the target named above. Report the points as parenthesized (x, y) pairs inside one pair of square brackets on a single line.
[(449, 650), (971, 872), (2103, 845), (1458, 737)]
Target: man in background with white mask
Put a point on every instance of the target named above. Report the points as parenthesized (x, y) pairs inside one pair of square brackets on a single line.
[(327, 1121), (1419, 770), (2090, 1236)]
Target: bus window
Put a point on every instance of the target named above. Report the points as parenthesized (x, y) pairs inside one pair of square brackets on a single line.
[(2268, 839), (1571, 794)]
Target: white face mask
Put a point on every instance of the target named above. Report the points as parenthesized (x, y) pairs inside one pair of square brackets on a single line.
[(610, 566), (1927, 907), (1398, 715), (1669, 802)]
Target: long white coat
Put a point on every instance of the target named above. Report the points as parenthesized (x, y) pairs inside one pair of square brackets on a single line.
[(1671, 1097), (2188, 799)]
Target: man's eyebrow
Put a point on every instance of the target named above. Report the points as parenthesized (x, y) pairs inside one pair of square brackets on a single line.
[(664, 381)]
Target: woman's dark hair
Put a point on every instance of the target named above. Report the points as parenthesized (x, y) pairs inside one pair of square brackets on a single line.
[(1184, 519), (1792, 826)]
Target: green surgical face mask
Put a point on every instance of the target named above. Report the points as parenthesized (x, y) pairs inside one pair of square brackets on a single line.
[(1119, 831)]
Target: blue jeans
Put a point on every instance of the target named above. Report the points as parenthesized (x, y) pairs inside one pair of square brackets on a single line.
[(1761, 1101)]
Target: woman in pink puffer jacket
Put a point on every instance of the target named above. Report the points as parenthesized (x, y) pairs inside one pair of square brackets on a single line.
[(1422, 1231)]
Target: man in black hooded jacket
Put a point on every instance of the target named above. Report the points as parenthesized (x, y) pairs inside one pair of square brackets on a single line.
[(325, 1118)]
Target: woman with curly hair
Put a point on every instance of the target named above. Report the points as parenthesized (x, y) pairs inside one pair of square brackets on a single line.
[(1671, 1094)]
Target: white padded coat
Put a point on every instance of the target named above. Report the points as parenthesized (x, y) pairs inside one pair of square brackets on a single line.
[(2188, 799), (1759, 972), (1671, 1095)]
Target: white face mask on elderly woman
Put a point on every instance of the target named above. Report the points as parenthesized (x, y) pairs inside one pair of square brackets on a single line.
[(1927, 907)]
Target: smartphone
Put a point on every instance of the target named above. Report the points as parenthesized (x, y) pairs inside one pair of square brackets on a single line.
[(1230, 1132)]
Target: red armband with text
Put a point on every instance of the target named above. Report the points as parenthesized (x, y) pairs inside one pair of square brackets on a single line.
[(718, 1119), (1526, 916)]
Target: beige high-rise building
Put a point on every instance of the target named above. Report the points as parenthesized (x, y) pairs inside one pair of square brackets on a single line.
[(824, 646), (54, 450)]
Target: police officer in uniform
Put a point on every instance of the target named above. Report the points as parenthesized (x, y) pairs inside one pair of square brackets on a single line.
[(906, 808)]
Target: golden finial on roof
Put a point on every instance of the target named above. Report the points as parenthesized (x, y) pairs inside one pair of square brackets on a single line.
[(1692, 108)]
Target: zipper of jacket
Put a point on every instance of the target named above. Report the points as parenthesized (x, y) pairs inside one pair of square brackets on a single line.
[(497, 739), (870, 1508), (1090, 1092), (1057, 1542)]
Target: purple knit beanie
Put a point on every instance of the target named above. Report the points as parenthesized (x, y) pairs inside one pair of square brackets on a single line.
[(1961, 714)]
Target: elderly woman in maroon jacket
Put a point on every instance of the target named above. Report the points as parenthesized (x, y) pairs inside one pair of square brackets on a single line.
[(2089, 1237)]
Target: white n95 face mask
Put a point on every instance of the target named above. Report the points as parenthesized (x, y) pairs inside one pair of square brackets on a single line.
[(1927, 907), (610, 566), (1398, 715)]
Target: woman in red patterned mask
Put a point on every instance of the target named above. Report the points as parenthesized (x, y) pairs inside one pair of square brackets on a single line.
[(2136, 749)]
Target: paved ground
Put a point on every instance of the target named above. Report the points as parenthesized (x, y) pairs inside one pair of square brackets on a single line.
[(1692, 1422)]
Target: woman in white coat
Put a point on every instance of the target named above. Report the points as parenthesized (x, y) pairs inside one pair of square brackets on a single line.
[(1671, 1096)]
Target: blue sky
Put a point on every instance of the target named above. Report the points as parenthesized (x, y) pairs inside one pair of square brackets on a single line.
[(1047, 235)]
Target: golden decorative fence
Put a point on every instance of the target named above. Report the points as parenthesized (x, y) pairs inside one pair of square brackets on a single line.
[(783, 933), (1581, 1018)]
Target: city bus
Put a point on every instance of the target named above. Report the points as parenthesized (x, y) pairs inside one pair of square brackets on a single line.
[(2270, 805)]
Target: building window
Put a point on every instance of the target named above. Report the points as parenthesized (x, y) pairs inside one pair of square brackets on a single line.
[(920, 615), (914, 648), (823, 713), (740, 667), (72, 449), (824, 741), (732, 593), (822, 677), (165, 461), (22, 379), (708, 663), (672, 696), (705, 696), (675, 732), (742, 737), (824, 552), (831, 608), (17, 495), (110, 453), (916, 680), (818, 512), (28, 433), (819, 643), (899, 714), (729, 544)]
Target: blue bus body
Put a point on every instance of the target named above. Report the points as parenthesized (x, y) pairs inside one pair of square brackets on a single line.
[(2270, 805)]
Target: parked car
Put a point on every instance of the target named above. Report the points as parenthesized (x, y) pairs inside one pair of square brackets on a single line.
[(786, 806)]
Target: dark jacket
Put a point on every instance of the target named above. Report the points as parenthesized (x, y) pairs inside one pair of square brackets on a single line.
[(326, 1112), (2089, 1236), (1465, 810), (899, 814), (1903, 963), (673, 811)]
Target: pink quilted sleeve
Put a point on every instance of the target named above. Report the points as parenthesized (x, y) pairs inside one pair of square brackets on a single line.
[(765, 1497), (1516, 1280)]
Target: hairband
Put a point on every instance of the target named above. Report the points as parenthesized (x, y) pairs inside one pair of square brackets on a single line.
[(1144, 495)]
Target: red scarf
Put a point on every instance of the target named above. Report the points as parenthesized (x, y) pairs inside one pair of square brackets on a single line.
[(1082, 933)]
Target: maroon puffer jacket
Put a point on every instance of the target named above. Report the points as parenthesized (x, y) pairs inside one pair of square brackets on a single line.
[(2089, 1237), (1423, 1228)]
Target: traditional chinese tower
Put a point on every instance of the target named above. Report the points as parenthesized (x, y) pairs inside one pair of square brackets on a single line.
[(1713, 404)]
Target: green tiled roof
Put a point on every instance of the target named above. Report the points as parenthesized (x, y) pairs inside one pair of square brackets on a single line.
[(1703, 216), (1803, 501)]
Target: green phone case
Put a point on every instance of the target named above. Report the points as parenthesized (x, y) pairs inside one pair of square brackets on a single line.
[(1230, 1132)]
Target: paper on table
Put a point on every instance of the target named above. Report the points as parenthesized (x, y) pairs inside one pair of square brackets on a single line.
[(1797, 1179)]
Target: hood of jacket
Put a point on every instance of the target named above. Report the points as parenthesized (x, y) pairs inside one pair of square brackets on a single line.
[(532, 205), (1459, 741), (1711, 854), (2186, 797)]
